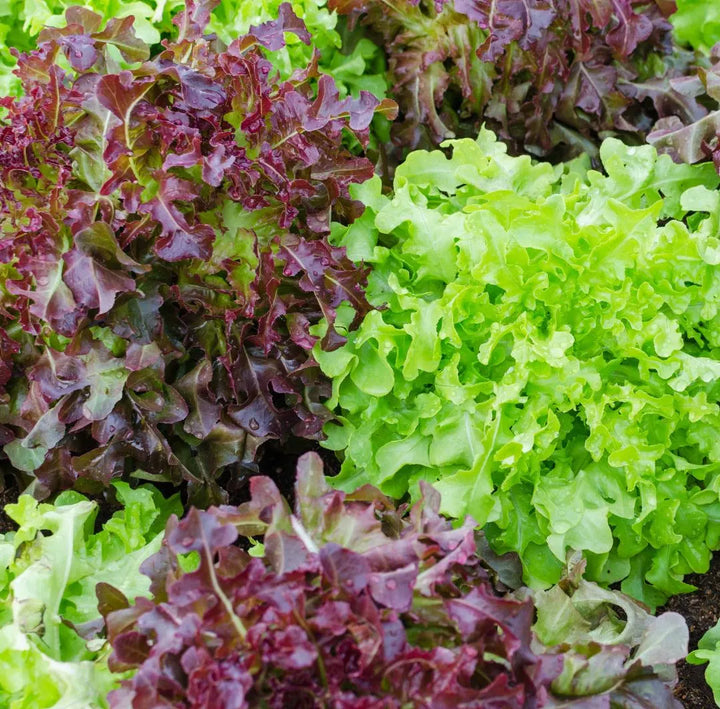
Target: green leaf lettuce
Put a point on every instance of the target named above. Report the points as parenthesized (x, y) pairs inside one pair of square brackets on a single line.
[(49, 568), (546, 354)]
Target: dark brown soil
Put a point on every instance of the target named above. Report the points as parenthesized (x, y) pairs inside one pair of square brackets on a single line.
[(8, 494), (701, 609), (279, 462)]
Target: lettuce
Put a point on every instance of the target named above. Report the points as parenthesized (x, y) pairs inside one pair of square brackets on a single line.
[(359, 603), (545, 353), (359, 65), (708, 651), (550, 77), (51, 654), (697, 23), (163, 235)]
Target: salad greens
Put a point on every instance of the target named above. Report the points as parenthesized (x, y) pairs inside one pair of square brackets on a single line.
[(355, 63), (708, 651), (215, 251), (697, 23), (358, 603), (544, 352), (163, 237), (550, 77), (51, 653)]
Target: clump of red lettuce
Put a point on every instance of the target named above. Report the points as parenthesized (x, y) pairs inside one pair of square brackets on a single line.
[(163, 251), (354, 602), (696, 139), (551, 77)]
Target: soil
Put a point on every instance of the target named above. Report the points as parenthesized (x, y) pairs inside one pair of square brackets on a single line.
[(8, 494), (278, 463), (701, 609)]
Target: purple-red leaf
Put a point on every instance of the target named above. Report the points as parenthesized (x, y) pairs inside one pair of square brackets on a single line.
[(93, 285), (549, 76), (179, 240), (120, 93), (271, 34)]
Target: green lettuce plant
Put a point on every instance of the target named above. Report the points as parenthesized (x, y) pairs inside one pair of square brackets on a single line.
[(50, 652), (708, 651), (697, 23), (546, 353)]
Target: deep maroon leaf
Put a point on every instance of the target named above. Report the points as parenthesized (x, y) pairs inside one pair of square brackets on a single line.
[(200, 531), (551, 77), (121, 92), (195, 386), (271, 35)]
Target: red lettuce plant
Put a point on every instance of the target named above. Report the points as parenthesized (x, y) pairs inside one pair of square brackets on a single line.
[(357, 603), (163, 252), (551, 77), (694, 140)]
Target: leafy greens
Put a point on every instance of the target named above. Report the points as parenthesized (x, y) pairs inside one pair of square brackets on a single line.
[(357, 603), (708, 651), (163, 252), (550, 77), (51, 654), (697, 23), (355, 65), (545, 355)]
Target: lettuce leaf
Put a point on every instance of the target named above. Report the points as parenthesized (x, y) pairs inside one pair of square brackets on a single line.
[(164, 236), (697, 23), (355, 66), (51, 654), (708, 651), (550, 77), (545, 355)]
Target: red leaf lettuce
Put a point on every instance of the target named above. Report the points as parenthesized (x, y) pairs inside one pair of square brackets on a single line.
[(162, 246), (551, 77), (357, 603)]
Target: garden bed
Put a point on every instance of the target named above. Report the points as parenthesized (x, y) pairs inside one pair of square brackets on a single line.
[(360, 352), (701, 610)]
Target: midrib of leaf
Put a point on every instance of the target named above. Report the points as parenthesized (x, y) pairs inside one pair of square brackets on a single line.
[(52, 636), (239, 627), (351, 296), (490, 449)]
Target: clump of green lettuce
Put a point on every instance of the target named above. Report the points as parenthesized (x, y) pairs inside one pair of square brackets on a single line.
[(50, 655), (697, 23), (546, 352)]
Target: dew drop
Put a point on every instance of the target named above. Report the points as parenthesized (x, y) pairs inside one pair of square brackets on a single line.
[(391, 585), (254, 425), (187, 541)]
